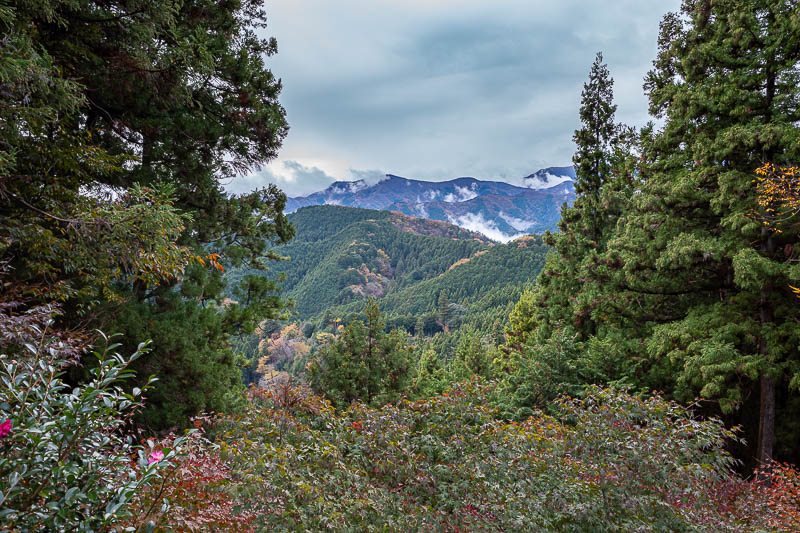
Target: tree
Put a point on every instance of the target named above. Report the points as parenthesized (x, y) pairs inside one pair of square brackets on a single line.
[(445, 310), (471, 357), (364, 363), (709, 282), (419, 328), (566, 292), (162, 97), (594, 141)]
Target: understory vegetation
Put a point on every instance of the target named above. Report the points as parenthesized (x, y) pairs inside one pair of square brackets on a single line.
[(638, 370)]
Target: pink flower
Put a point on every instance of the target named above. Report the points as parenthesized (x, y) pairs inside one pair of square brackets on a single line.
[(155, 457), (5, 428)]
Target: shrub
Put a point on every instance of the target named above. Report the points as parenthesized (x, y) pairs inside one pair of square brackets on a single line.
[(66, 464), (197, 490), (606, 462)]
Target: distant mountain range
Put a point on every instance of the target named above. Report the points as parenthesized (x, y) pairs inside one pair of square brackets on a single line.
[(499, 210)]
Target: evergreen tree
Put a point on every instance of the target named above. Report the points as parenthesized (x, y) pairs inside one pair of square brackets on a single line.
[(699, 281), (430, 378), (592, 160), (419, 328), (165, 96), (563, 296), (364, 363), (471, 357), (497, 335), (445, 310)]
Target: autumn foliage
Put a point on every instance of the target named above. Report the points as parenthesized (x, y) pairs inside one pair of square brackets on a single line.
[(778, 194), (610, 461)]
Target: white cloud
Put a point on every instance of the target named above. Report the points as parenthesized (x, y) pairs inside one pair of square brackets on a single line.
[(292, 177), (369, 177), (420, 210), (476, 222), (550, 180), (462, 194), (517, 223)]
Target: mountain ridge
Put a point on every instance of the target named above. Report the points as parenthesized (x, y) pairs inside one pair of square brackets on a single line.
[(498, 210)]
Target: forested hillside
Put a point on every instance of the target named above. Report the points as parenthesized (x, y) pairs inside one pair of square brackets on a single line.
[(342, 254)]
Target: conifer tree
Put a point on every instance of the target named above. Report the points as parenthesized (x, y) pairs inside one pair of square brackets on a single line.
[(445, 310), (155, 95), (364, 363), (592, 160), (561, 297), (430, 376), (471, 357), (709, 282), (419, 328)]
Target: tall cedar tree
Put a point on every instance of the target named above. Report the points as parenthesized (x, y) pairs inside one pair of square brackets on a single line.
[(690, 260), (561, 297), (161, 93)]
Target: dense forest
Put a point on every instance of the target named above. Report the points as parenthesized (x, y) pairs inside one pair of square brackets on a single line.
[(177, 358)]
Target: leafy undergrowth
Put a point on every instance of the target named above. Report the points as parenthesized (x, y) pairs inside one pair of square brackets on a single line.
[(609, 462)]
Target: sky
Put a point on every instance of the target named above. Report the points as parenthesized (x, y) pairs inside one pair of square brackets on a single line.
[(439, 89)]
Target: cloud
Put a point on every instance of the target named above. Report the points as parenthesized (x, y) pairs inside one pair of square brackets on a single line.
[(545, 180), (369, 177), (462, 194), (292, 177), (430, 91), (298, 179), (517, 223), (476, 222)]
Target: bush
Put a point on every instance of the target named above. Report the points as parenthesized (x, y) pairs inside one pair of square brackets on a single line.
[(66, 464), (607, 462)]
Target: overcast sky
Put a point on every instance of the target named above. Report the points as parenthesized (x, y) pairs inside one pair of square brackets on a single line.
[(438, 89)]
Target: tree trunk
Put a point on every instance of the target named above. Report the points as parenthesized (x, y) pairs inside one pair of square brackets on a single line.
[(766, 420)]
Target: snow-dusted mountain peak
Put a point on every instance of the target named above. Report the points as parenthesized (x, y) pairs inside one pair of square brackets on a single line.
[(497, 209), (549, 177)]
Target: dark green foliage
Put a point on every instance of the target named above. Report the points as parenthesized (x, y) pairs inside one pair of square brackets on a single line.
[(471, 358), (543, 372), (445, 309), (679, 286), (709, 280), (565, 295), (364, 363), (197, 371), (594, 140), (158, 101)]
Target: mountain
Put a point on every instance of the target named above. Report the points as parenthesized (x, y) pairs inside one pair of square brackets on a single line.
[(341, 255), (497, 216), (499, 210), (393, 189), (549, 177)]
